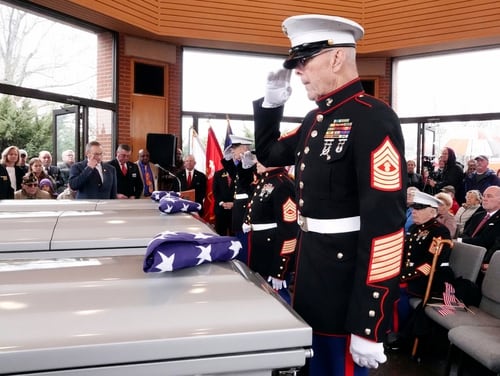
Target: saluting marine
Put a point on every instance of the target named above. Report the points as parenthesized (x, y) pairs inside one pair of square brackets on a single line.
[(271, 223), (350, 178)]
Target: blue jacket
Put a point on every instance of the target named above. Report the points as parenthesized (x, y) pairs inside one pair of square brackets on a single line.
[(481, 182), (88, 184)]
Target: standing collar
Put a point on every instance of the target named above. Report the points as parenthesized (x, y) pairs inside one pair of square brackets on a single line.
[(340, 95)]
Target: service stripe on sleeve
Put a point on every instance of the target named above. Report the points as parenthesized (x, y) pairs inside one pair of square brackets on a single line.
[(288, 246), (386, 167), (425, 269), (386, 255), (289, 211)]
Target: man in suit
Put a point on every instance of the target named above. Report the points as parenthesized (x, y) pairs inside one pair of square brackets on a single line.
[(190, 178), (68, 158), (223, 191), (128, 178), (148, 172), (92, 178), (52, 171), (483, 228)]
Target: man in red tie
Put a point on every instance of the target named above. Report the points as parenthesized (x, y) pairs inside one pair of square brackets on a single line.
[(190, 178), (128, 178), (483, 228)]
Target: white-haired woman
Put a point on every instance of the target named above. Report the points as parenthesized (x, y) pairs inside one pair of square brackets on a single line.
[(473, 200), (445, 215)]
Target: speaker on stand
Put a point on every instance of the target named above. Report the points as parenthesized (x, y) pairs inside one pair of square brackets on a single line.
[(162, 147)]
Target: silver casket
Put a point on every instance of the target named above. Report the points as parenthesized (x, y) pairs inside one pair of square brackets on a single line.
[(82, 310)]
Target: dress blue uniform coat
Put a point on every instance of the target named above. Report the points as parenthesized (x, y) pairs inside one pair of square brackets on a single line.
[(349, 161)]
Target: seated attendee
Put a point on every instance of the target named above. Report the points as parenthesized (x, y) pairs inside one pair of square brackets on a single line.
[(483, 228), (473, 200), (30, 190), (445, 216), (451, 191), (409, 200), (47, 186), (417, 259)]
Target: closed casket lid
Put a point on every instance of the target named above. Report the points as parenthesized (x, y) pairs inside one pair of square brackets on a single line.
[(81, 312)]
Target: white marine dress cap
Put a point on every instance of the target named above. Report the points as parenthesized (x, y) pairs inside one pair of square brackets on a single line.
[(310, 33), (238, 140)]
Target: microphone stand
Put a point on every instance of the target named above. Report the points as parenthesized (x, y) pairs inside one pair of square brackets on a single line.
[(171, 175)]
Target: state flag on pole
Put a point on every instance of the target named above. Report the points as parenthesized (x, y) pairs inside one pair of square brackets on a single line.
[(213, 163), (198, 151)]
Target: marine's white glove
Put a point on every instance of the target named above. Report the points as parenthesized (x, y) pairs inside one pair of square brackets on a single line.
[(248, 159), (278, 88), (246, 228), (228, 153), (276, 283), (366, 353)]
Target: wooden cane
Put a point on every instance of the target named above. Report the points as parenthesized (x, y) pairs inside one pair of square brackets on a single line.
[(435, 248)]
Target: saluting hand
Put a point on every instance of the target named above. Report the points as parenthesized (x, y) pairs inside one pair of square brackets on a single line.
[(278, 88)]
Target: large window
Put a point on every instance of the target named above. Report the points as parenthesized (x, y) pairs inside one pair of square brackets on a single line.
[(58, 65), (220, 86), (449, 100)]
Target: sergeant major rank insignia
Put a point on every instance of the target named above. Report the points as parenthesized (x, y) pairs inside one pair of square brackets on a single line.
[(337, 133)]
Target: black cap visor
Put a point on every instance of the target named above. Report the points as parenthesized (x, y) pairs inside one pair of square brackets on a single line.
[(303, 51)]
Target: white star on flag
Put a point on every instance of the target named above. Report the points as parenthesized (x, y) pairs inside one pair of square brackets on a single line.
[(166, 264), (235, 247), (204, 254)]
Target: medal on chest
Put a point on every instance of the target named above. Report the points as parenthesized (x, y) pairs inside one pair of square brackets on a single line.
[(337, 134), (267, 189)]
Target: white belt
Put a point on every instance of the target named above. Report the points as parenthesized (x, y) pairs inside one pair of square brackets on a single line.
[(329, 226), (240, 196), (258, 227)]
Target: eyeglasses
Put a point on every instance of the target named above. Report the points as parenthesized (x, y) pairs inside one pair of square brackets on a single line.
[(304, 60), (96, 154), (31, 184), (419, 206), (23, 155)]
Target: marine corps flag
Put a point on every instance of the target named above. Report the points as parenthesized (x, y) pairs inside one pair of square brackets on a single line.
[(213, 163)]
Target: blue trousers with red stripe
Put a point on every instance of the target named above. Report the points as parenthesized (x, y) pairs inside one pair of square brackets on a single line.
[(332, 358)]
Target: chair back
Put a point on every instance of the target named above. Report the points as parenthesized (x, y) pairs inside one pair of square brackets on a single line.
[(466, 260), (490, 302)]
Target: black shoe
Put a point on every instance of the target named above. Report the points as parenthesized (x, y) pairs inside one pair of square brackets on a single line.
[(393, 342)]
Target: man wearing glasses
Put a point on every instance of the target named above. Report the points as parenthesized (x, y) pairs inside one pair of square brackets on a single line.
[(350, 178), (417, 262), (92, 178), (30, 190)]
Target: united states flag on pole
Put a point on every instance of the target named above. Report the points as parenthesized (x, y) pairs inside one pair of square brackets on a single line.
[(169, 251)]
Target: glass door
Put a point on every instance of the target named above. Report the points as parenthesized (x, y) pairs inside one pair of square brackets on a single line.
[(66, 131)]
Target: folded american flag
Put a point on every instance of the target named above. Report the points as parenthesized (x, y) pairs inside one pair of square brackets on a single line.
[(172, 202), (157, 195), (170, 251)]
